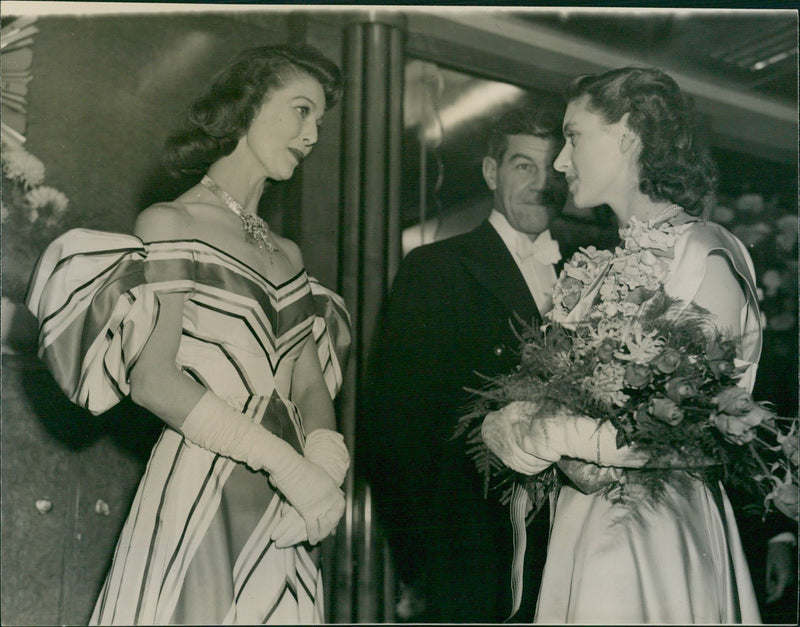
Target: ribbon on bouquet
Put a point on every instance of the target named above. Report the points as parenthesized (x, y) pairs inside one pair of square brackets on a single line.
[(519, 507)]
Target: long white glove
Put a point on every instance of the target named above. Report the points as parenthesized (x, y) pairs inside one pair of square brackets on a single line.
[(325, 448), (529, 443), (588, 477), (218, 427)]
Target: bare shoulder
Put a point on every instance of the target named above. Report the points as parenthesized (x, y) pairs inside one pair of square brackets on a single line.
[(168, 220), (290, 249)]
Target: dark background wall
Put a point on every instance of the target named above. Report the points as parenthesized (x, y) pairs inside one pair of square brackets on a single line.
[(108, 90)]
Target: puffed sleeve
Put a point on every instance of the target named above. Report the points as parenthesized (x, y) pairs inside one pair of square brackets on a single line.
[(94, 295), (331, 333)]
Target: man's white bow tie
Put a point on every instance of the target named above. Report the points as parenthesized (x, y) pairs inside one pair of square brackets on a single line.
[(543, 249)]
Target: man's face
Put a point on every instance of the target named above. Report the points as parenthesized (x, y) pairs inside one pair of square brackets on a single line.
[(520, 182)]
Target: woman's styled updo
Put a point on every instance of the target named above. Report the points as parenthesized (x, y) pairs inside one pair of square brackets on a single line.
[(221, 116), (671, 167)]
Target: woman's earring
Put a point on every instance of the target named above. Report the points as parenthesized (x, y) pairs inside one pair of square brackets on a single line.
[(626, 140)]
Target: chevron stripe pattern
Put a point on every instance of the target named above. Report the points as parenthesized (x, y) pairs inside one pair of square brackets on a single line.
[(196, 545)]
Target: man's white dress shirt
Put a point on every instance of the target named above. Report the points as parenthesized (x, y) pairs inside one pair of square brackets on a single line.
[(534, 258)]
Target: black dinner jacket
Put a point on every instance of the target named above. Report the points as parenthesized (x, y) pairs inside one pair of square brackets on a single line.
[(446, 322)]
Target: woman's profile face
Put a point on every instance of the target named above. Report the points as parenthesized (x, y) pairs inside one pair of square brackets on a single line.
[(592, 160), (285, 128)]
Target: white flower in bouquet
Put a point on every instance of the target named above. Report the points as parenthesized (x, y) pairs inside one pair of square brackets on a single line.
[(606, 328), (579, 273), (606, 383), (642, 347), (20, 165), (640, 235)]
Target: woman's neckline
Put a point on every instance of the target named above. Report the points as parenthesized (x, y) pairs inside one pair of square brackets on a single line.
[(197, 240)]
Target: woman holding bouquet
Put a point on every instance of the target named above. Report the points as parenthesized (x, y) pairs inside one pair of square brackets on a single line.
[(209, 320), (677, 558)]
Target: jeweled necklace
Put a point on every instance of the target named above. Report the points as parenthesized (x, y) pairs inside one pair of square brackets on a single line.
[(667, 213), (255, 228), (658, 221)]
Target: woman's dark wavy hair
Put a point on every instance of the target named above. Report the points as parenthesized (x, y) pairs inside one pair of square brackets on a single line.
[(671, 167), (221, 116)]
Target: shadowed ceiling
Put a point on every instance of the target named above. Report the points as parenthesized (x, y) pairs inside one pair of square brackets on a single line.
[(756, 50), (742, 66)]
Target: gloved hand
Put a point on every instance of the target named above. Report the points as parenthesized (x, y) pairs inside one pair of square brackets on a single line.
[(580, 437), (528, 442), (325, 448), (588, 477), (312, 492), (218, 427), (290, 529), (503, 431)]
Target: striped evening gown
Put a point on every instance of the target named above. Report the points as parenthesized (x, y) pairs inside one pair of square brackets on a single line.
[(196, 546)]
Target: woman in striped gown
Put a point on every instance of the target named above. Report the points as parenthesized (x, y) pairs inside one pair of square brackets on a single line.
[(209, 320)]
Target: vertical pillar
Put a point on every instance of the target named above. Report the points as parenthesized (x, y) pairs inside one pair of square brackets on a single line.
[(369, 255)]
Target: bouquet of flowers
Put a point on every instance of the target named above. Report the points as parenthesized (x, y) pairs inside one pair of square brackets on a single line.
[(618, 349)]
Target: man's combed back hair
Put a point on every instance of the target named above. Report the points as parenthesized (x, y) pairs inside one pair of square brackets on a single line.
[(672, 167), (538, 120), (219, 118)]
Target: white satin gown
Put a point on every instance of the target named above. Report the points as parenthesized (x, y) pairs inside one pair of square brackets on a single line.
[(681, 562)]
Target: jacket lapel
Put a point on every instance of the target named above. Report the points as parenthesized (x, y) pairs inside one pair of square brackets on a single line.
[(486, 257)]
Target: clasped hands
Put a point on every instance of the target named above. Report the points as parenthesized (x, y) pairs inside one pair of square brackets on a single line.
[(528, 441), (312, 510), (310, 482)]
